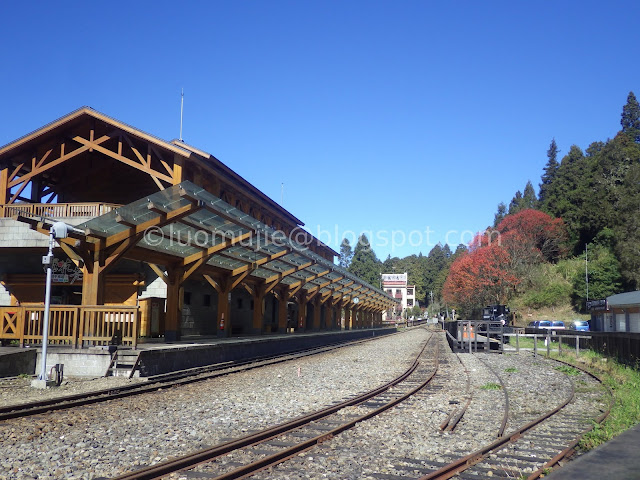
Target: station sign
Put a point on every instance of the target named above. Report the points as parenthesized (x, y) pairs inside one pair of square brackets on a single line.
[(597, 304)]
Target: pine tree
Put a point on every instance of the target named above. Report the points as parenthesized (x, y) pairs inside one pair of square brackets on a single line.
[(346, 254), (500, 214), (630, 120), (364, 263), (516, 203), (550, 169), (529, 198)]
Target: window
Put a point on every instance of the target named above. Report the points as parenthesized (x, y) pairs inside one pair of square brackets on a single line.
[(186, 298), (410, 302), (206, 300), (410, 291)]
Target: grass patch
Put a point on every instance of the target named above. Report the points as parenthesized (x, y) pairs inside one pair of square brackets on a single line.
[(491, 386), (568, 370), (624, 383), (511, 370)]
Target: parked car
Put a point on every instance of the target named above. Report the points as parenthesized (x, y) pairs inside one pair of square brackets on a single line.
[(540, 324), (557, 325), (579, 325)]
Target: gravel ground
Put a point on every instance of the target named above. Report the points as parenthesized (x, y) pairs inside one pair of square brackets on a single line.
[(407, 442), (105, 440)]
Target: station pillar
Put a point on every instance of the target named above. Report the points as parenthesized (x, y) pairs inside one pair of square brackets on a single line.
[(283, 301), (347, 318)]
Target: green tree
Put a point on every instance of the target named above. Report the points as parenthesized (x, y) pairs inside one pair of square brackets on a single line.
[(630, 120), (364, 263), (626, 232), (529, 198), (550, 169), (500, 214), (516, 203), (604, 276), (346, 254)]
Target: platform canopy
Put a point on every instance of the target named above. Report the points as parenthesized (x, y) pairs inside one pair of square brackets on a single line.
[(186, 229)]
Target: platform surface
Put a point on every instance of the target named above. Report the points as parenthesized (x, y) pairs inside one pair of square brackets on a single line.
[(618, 459)]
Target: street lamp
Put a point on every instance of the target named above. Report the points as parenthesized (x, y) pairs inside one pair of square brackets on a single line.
[(58, 230)]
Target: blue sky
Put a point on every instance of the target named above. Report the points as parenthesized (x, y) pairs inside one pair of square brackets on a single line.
[(407, 120)]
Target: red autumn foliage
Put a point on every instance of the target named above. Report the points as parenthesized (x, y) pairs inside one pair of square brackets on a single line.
[(480, 277), (499, 260), (533, 229)]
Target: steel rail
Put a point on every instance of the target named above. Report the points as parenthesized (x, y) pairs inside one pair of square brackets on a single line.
[(467, 461), (163, 381), (570, 450), (455, 416), (206, 455), (505, 417)]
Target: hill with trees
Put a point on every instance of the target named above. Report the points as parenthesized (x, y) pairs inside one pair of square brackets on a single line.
[(581, 227), (542, 250)]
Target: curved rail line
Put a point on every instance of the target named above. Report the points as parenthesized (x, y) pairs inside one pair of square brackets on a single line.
[(481, 454), (317, 421), (452, 420), (505, 417), (570, 450), (174, 379)]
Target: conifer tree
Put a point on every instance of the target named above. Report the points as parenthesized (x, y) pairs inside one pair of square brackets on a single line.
[(630, 120), (346, 254), (500, 214), (550, 169), (365, 263), (529, 199), (516, 203)]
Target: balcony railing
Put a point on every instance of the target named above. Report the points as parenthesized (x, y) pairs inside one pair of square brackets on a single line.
[(57, 210), (70, 325)]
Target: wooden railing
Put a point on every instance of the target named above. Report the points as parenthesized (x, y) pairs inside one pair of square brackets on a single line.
[(75, 326), (56, 210)]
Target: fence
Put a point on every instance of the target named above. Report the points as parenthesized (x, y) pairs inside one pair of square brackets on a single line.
[(57, 210), (74, 326)]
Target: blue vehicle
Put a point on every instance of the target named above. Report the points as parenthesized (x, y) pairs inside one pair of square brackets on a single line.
[(579, 325), (540, 324)]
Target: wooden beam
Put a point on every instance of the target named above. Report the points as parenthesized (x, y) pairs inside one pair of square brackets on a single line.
[(160, 220), (289, 272), (158, 271), (124, 159), (4, 190), (63, 158), (216, 248)]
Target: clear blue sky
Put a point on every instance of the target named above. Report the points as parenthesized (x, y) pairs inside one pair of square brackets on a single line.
[(382, 117)]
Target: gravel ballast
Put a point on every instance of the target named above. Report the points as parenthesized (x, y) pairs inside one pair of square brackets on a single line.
[(105, 440)]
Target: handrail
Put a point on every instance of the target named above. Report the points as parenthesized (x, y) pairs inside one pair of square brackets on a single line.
[(73, 325), (57, 210)]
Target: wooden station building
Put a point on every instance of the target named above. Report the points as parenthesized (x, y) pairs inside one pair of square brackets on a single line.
[(167, 242)]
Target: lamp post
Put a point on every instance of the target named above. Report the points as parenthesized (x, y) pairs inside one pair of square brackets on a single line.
[(57, 230)]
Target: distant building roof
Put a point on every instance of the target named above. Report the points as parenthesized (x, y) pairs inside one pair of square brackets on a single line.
[(623, 299)]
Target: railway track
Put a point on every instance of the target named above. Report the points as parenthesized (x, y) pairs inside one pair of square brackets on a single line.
[(250, 454), (164, 381), (533, 449)]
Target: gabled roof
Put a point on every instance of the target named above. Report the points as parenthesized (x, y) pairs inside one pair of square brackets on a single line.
[(78, 116), (27, 142)]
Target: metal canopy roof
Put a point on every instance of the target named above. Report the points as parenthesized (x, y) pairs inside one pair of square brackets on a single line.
[(189, 224)]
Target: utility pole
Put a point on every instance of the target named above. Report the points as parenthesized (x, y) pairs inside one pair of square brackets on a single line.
[(586, 267)]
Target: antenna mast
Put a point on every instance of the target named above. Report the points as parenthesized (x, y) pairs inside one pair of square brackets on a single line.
[(181, 110)]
